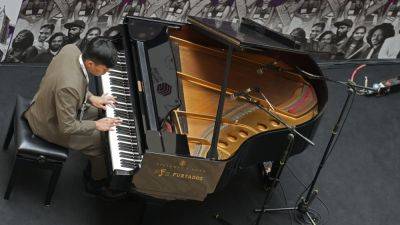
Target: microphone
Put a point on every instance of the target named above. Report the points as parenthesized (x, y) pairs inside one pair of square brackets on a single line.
[(386, 86)]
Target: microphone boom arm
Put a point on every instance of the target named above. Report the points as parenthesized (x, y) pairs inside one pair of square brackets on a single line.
[(249, 99)]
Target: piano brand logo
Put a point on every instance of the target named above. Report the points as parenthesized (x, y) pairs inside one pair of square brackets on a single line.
[(180, 170), (183, 163), (164, 89), (184, 176)]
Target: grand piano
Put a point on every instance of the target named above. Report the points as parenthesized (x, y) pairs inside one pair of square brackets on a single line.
[(187, 130)]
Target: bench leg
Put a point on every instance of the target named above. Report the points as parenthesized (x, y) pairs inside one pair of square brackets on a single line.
[(13, 175), (52, 183), (10, 133)]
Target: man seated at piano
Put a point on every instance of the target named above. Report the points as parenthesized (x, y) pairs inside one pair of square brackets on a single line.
[(64, 112)]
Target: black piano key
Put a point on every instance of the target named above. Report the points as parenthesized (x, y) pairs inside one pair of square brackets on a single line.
[(126, 161), (127, 123), (131, 148), (114, 81), (123, 114), (129, 166), (125, 155), (122, 98), (125, 132), (126, 144), (121, 90), (127, 149), (121, 87), (126, 139), (125, 107), (133, 154), (126, 129), (120, 67), (119, 75)]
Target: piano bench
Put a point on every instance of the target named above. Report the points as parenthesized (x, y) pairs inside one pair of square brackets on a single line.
[(32, 150)]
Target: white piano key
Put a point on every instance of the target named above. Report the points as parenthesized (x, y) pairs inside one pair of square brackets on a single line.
[(113, 135)]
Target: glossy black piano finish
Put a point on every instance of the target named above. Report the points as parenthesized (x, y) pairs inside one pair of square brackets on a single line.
[(169, 170)]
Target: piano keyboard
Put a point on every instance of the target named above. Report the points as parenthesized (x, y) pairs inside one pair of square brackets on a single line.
[(123, 142)]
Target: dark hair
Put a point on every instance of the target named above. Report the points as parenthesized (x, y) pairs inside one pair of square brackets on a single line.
[(300, 35), (116, 39), (319, 24), (324, 34), (55, 35), (387, 30), (359, 27), (91, 29), (110, 30), (48, 26), (29, 38), (101, 51)]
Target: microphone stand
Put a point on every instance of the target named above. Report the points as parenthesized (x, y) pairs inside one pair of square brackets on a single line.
[(272, 181), (303, 207), (284, 156)]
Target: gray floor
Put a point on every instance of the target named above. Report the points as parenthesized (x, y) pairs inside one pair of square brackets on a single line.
[(359, 185)]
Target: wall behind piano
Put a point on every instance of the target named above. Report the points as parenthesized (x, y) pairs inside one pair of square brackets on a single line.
[(335, 29), (8, 18)]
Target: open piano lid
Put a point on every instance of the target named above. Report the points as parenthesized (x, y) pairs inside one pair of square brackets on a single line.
[(245, 35)]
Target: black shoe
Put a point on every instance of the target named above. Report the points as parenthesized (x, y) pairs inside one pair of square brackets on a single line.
[(100, 190)]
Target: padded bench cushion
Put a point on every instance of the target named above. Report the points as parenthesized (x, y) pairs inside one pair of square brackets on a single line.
[(29, 144)]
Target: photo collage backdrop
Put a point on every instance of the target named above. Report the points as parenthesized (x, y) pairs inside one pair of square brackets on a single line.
[(340, 29)]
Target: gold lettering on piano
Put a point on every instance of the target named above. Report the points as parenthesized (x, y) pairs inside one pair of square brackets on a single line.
[(182, 163), (179, 167), (186, 176), (180, 171)]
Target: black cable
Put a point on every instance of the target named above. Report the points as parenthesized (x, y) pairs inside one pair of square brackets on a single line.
[(341, 126), (286, 203), (306, 188)]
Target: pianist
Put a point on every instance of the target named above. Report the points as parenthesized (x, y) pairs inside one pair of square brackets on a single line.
[(64, 112)]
